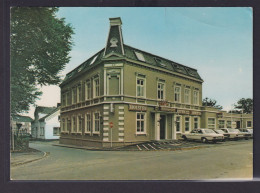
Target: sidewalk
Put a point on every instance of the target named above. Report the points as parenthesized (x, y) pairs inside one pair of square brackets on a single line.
[(23, 158)]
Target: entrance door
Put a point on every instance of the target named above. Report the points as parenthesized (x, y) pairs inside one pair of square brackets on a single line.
[(162, 126), (238, 125)]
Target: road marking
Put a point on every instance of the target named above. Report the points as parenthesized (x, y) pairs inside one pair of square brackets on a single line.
[(138, 147), (145, 147), (151, 146)]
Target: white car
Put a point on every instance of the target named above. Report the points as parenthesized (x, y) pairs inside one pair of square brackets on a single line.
[(233, 133), (247, 133), (203, 135)]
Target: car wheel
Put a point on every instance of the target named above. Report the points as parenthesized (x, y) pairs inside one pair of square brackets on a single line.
[(204, 140)]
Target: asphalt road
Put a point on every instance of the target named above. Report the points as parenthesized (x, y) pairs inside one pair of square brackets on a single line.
[(231, 160)]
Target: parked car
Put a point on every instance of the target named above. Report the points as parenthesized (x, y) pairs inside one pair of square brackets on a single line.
[(247, 133), (233, 133), (203, 135), (219, 131)]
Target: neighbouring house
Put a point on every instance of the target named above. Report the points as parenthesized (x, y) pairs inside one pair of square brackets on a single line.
[(125, 95), (46, 124), (21, 125)]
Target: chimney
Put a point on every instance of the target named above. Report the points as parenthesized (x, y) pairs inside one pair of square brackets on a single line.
[(115, 44)]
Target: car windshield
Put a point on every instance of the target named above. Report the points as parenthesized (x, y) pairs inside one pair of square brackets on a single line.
[(250, 130), (219, 131), (208, 131)]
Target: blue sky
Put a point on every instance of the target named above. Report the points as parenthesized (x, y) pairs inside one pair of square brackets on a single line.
[(215, 41)]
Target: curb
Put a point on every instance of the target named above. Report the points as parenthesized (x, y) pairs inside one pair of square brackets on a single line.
[(45, 154), (118, 149)]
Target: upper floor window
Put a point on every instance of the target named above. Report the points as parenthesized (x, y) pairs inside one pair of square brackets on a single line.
[(63, 103), (196, 97), (87, 90), (96, 88), (67, 98), (161, 90), (177, 94), (63, 125), (186, 95), (79, 93), (140, 87), (74, 95)]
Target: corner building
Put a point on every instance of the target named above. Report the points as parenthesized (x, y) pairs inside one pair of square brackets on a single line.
[(126, 95)]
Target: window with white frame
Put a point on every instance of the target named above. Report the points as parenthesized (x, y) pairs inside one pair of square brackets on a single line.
[(178, 124), (140, 87), (177, 94), (211, 123), (187, 124), (74, 95), (221, 124), (228, 124), (67, 98), (96, 88), (196, 97), (140, 123), (63, 103), (56, 131), (87, 90), (79, 93), (96, 123), (248, 124), (196, 122), (187, 95), (88, 123), (161, 90), (68, 128), (42, 131), (74, 124), (63, 124), (79, 124)]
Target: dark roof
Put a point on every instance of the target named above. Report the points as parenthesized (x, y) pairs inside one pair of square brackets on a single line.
[(19, 118), (44, 110), (53, 111), (150, 59)]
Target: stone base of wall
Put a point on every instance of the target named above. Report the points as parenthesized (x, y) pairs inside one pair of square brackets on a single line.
[(91, 143)]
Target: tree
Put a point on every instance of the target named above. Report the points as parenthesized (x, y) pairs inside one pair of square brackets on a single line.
[(207, 102), (39, 47), (245, 105)]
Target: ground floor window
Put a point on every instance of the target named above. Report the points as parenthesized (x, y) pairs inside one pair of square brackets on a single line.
[(42, 131), (178, 124), (74, 124), (187, 124), (228, 124), (56, 131), (79, 124), (196, 122), (68, 128), (96, 122), (249, 124), (140, 123), (211, 123), (221, 124), (88, 123)]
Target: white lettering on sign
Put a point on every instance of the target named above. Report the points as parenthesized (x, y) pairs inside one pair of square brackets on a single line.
[(195, 113), (168, 109), (185, 112), (137, 108)]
